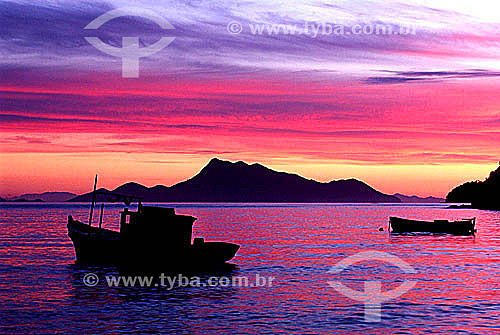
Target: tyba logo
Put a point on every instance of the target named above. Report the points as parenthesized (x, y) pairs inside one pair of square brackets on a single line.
[(372, 296), (130, 52)]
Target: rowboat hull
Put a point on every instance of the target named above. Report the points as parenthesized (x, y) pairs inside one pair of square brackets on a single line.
[(462, 227)]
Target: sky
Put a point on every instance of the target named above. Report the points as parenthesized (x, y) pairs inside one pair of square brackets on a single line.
[(415, 112)]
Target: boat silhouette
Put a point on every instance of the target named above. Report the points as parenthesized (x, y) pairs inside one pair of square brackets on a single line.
[(149, 238), (461, 227)]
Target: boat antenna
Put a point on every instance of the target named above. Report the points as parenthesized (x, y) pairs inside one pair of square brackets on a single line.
[(93, 201)]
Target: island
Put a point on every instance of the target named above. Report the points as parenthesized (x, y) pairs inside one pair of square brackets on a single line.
[(225, 181), (480, 194)]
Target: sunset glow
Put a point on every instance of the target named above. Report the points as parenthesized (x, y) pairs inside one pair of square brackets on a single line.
[(415, 114)]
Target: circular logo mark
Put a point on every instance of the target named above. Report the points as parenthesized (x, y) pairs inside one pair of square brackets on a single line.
[(372, 296), (90, 279), (234, 28), (130, 52)]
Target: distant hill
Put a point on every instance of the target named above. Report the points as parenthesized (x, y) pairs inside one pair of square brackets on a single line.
[(46, 197), (417, 200), (26, 200), (481, 194), (224, 181), (20, 200)]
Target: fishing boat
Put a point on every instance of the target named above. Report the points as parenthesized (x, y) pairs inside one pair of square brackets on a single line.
[(461, 227), (151, 237)]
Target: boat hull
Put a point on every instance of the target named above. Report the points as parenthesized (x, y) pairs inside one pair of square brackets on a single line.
[(94, 245), (463, 227), (101, 246)]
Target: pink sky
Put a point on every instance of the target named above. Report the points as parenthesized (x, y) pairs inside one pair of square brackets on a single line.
[(412, 114)]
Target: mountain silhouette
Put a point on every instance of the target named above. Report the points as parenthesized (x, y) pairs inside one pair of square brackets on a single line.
[(224, 181), (20, 200), (46, 196), (481, 194), (413, 199)]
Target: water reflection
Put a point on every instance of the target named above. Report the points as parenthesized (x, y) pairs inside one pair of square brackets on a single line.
[(42, 290)]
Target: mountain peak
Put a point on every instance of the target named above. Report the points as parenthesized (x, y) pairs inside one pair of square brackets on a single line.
[(219, 165), (132, 188), (221, 162), (215, 160)]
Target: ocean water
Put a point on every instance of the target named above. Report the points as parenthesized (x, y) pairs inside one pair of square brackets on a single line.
[(457, 278)]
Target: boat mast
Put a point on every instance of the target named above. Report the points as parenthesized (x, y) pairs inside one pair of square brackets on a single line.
[(93, 201), (100, 218)]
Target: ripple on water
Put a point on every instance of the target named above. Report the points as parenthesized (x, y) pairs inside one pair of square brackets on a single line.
[(41, 289)]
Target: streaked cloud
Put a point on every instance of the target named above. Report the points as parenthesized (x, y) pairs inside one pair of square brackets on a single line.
[(396, 77)]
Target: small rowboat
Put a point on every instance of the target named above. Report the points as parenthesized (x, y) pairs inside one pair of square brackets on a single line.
[(461, 227)]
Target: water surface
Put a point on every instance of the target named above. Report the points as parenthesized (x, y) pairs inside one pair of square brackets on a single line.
[(458, 289)]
